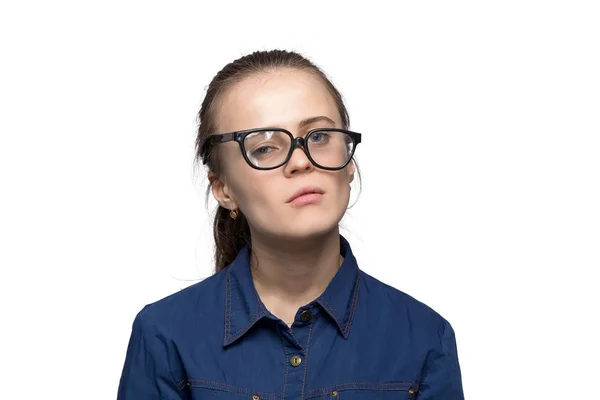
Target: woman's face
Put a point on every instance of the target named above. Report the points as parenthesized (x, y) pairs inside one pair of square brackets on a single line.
[(280, 99)]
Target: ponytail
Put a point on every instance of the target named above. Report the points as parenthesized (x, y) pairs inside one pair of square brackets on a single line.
[(231, 235)]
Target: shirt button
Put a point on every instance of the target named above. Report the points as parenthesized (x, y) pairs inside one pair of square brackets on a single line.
[(305, 315), (295, 361)]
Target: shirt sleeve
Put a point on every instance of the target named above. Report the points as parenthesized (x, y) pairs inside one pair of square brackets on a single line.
[(442, 380), (146, 374)]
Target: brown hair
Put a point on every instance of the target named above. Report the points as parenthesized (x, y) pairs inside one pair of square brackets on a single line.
[(231, 235)]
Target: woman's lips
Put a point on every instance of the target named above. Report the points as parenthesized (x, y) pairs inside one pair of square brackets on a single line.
[(308, 198)]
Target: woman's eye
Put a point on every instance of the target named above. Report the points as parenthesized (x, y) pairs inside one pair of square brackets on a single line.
[(319, 137), (260, 151)]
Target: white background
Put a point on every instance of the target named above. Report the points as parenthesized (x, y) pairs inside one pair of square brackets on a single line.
[(480, 162)]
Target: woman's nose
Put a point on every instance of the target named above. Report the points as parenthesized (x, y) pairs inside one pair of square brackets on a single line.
[(298, 160)]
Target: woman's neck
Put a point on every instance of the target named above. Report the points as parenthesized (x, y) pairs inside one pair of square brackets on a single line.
[(290, 273)]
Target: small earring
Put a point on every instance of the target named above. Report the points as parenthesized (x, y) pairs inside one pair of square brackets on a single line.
[(233, 214)]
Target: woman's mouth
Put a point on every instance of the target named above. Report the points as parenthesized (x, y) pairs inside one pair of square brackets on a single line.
[(308, 198)]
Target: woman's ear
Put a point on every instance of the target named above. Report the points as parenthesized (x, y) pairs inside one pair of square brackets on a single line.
[(221, 192)]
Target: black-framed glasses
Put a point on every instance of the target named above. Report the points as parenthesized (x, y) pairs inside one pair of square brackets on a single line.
[(270, 148)]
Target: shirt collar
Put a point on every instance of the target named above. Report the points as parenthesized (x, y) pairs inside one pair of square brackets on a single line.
[(243, 307)]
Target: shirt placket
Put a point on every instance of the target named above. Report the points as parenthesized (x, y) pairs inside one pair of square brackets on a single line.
[(296, 342)]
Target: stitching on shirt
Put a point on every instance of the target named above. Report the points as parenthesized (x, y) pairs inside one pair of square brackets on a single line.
[(255, 292), (364, 383), (353, 389), (180, 385), (331, 310), (346, 327), (204, 383), (395, 386), (286, 360), (354, 304), (227, 333), (253, 319), (306, 360)]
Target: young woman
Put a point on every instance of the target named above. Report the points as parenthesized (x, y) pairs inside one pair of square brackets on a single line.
[(288, 314)]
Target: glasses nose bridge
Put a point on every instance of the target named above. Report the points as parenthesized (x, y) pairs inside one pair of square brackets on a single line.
[(299, 142)]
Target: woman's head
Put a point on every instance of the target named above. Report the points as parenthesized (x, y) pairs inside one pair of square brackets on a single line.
[(276, 89)]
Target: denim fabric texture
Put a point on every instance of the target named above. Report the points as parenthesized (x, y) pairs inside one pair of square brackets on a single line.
[(361, 339)]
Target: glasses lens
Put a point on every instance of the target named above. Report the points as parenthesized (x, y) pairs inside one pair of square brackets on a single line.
[(266, 149), (330, 149)]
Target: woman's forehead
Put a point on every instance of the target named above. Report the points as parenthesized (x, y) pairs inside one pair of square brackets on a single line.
[(276, 99)]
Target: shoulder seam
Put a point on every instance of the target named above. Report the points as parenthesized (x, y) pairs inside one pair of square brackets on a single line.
[(144, 327), (428, 367)]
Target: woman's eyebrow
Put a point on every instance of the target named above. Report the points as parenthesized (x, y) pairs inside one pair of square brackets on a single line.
[(309, 121)]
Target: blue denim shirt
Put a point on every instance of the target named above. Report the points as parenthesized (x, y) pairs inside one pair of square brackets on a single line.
[(361, 339)]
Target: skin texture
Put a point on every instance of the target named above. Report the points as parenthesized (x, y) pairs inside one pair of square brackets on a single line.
[(296, 249)]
